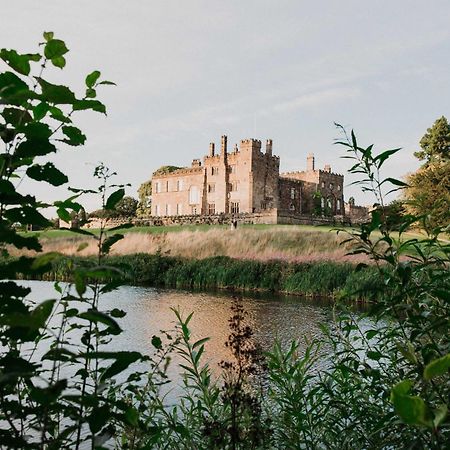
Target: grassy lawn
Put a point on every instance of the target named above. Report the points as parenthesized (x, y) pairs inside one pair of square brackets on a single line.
[(49, 234)]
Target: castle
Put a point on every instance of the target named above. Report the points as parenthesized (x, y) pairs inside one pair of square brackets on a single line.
[(246, 180)]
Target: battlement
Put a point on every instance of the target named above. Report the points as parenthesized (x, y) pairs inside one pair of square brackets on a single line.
[(178, 172)]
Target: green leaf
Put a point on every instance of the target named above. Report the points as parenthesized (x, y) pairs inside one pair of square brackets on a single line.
[(44, 260), (411, 409), (123, 360), (48, 35), (132, 416), (99, 417), (55, 48), (20, 63), (110, 241), (382, 157), (26, 215), (437, 367), (118, 313), (94, 105), (47, 172), (59, 61), (92, 78), (439, 415), (40, 110), (97, 316), (13, 90), (57, 94), (57, 114), (41, 313), (76, 137), (156, 342), (80, 283), (16, 117), (63, 214), (82, 246), (114, 198), (91, 93)]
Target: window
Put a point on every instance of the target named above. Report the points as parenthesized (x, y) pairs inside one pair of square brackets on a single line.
[(331, 186), (167, 186), (292, 193), (232, 168), (263, 205), (338, 205), (211, 187), (292, 207), (234, 186), (157, 187), (211, 208), (339, 187), (167, 210), (179, 209), (156, 211), (179, 185), (329, 203), (214, 171), (234, 207), (322, 203), (323, 184), (193, 195)]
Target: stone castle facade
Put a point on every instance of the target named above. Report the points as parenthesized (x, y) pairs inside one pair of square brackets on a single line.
[(246, 180)]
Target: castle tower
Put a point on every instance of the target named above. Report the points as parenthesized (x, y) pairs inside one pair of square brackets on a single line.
[(310, 162), (211, 149), (269, 147), (223, 148)]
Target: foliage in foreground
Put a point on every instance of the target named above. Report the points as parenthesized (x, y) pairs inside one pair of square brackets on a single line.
[(384, 384)]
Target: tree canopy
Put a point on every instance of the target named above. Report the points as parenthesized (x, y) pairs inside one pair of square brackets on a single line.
[(428, 193), (436, 142)]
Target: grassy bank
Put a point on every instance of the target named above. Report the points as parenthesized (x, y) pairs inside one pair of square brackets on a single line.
[(256, 242), (328, 279)]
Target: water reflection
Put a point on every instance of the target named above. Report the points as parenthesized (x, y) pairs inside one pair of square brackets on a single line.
[(149, 311)]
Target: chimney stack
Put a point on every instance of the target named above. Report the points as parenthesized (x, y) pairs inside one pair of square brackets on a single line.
[(310, 162), (211, 149), (223, 149), (269, 147)]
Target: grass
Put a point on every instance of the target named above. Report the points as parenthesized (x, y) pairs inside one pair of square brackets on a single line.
[(322, 279), (292, 243)]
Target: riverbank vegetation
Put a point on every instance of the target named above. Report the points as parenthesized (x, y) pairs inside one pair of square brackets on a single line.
[(383, 381), (321, 279)]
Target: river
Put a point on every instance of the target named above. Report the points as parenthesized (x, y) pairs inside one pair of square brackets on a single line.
[(149, 311)]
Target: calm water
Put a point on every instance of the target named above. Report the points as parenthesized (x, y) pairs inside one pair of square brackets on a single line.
[(149, 311)]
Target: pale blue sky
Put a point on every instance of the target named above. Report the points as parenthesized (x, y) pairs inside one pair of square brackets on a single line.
[(190, 71)]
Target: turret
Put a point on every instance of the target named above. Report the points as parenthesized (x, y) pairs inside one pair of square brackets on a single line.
[(310, 162), (223, 148), (269, 147), (211, 149)]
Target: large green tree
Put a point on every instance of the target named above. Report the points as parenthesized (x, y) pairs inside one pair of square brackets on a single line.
[(428, 193)]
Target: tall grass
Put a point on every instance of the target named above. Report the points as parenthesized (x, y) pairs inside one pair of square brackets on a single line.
[(288, 243), (324, 279)]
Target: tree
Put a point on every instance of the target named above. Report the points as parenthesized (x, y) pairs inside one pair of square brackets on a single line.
[(428, 194), (127, 207), (145, 195), (435, 143)]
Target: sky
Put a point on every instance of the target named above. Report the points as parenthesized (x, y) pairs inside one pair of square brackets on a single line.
[(188, 72)]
